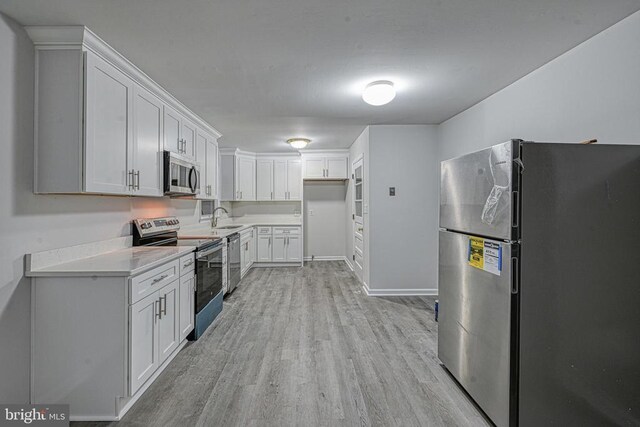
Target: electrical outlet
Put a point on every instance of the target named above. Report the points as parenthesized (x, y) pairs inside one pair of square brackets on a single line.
[(310, 212), (392, 191)]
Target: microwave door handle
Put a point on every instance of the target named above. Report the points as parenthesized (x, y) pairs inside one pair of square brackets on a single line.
[(193, 181)]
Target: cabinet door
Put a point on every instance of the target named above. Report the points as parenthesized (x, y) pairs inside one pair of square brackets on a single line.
[(246, 179), (314, 168), (169, 322), (279, 249), (280, 180), (264, 249), (294, 180), (108, 127), (188, 133), (212, 168), (264, 180), (187, 305), (147, 143), (293, 249), (337, 167), (171, 125), (252, 244), (143, 324), (201, 159), (243, 258)]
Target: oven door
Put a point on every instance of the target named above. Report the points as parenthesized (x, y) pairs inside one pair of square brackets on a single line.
[(208, 275), (180, 175)]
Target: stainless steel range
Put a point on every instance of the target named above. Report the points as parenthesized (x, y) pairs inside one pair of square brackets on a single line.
[(209, 265)]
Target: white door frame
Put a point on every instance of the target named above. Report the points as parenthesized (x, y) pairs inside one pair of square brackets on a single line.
[(358, 221)]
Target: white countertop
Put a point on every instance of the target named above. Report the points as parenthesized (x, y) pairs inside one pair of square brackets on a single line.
[(203, 231), (123, 262)]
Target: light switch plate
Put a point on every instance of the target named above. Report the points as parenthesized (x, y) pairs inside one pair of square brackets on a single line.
[(392, 191)]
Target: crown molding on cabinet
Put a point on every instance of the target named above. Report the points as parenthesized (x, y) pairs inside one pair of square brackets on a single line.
[(231, 151), (80, 37)]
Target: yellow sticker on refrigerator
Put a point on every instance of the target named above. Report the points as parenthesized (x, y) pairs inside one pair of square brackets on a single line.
[(485, 255)]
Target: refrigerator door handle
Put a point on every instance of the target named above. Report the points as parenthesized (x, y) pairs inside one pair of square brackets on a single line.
[(515, 276), (515, 209)]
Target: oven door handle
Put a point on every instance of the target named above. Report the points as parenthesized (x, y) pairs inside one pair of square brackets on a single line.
[(208, 252)]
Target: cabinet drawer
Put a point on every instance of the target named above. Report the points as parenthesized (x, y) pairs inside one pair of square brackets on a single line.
[(147, 283), (187, 264), (264, 230), (285, 230)]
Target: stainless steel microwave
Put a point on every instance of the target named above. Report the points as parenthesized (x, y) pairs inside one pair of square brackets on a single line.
[(181, 176)]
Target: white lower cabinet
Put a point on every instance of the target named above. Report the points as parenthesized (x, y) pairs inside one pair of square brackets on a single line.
[(187, 305), (279, 249), (264, 246), (247, 250), (293, 249), (168, 321), (143, 341), (279, 244), (154, 331), (113, 344)]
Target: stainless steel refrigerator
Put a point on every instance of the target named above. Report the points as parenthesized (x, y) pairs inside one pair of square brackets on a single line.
[(539, 282)]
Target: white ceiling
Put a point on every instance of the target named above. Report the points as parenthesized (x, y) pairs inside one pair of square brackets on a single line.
[(262, 71)]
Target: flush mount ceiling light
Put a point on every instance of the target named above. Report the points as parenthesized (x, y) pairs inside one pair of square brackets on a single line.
[(298, 142), (379, 93)]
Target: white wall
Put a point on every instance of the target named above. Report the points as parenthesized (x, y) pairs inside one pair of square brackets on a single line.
[(403, 230), (592, 91), (325, 207), (31, 223)]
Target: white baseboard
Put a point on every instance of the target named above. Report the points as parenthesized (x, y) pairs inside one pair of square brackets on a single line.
[(326, 258), (398, 292)]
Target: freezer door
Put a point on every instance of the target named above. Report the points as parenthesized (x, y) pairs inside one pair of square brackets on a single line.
[(476, 192), (474, 322)]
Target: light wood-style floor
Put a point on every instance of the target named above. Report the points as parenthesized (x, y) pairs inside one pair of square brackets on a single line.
[(307, 347)]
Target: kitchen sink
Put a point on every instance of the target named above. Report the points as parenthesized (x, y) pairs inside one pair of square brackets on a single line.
[(228, 227)]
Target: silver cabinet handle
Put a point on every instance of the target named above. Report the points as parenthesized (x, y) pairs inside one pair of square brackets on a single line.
[(187, 264), (240, 194), (161, 278), (137, 175), (179, 145), (131, 180), (272, 195), (163, 310), (157, 310)]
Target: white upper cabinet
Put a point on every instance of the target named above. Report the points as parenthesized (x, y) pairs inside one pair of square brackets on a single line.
[(294, 179), (108, 138), (314, 168), (101, 123), (207, 158), (264, 179), (237, 175), (147, 143), (279, 179), (212, 168), (246, 178), (179, 134), (332, 165), (172, 130), (337, 168)]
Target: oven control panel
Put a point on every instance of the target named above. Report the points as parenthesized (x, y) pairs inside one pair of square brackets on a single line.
[(151, 226)]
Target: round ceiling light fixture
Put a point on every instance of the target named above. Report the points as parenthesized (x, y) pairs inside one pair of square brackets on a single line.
[(378, 93), (298, 143)]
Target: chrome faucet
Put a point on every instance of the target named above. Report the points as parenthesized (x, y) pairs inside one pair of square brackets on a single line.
[(214, 219)]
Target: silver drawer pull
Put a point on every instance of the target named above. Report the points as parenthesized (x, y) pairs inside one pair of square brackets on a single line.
[(163, 310), (187, 264), (161, 278)]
